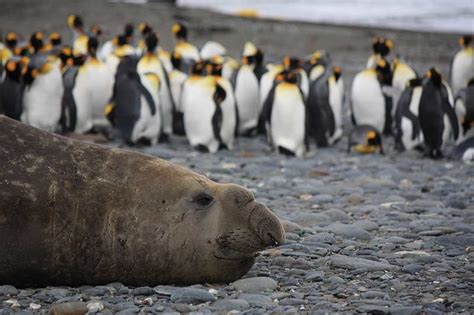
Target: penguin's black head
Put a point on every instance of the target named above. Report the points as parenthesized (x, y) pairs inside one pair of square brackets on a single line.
[(179, 31), (151, 41), (373, 138), (13, 70), (434, 77), (198, 68), (54, 39), (176, 60), (465, 40), (291, 77), (214, 66), (121, 40), (36, 41), (471, 82), (128, 30), (291, 63), (29, 74), (384, 72), (75, 22), (144, 29), (382, 46), (248, 60), (21, 51), (96, 30), (415, 82), (337, 71), (92, 45), (11, 40), (259, 57)]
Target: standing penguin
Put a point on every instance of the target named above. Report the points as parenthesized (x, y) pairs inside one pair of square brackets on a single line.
[(150, 63), (436, 115), (43, 93), (228, 122), (462, 64), (177, 79), (201, 101), (129, 97), (91, 90), (371, 105), (11, 89), (408, 133), (285, 116), (246, 88), (325, 100)]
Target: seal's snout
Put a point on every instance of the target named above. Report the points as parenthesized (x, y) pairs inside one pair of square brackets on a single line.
[(268, 227)]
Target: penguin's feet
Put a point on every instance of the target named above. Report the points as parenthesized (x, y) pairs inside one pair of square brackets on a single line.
[(285, 151), (164, 138)]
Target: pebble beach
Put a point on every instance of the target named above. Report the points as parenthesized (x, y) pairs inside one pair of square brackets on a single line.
[(378, 234)]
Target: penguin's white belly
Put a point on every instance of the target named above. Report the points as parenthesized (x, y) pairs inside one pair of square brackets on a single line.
[(316, 72), (42, 100), (462, 69), (368, 102), (468, 155), (148, 125), (229, 117), (304, 83), (176, 81), (105, 50), (199, 108), (92, 91), (246, 94), (406, 124), (288, 120), (336, 98), (460, 110), (112, 62)]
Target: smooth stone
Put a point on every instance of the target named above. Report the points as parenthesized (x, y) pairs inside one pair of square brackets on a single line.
[(291, 227), (256, 284), (353, 263), (366, 225), (335, 280), (192, 295), (293, 301), (349, 231), (336, 215), (71, 308), (406, 310), (315, 276), (8, 290), (257, 300), (374, 295), (232, 305)]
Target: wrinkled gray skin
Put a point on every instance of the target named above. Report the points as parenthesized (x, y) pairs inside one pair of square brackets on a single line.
[(74, 213)]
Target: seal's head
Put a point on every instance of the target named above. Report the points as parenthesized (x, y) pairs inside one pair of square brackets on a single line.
[(218, 229)]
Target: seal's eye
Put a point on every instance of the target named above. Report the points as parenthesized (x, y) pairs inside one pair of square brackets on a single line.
[(203, 200)]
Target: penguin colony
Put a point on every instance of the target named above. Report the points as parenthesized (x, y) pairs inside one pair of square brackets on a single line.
[(130, 88)]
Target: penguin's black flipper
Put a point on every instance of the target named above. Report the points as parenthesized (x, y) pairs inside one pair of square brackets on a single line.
[(68, 106), (449, 110), (149, 99), (387, 129), (233, 78), (219, 96), (268, 105)]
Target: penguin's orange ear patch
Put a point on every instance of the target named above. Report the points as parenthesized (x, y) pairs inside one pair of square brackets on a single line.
[(175, 28), (11, 66), (371, 135), (389, 43), (381, 63), (11, 36), (461, 41)]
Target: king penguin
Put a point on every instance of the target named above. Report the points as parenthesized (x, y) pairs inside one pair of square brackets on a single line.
[(325, 101), (462, 64), (150, 63), (285, 116), (228, 122), (43, 92), (371, 105), (246, 89), (201, 100), (92, 90), (177, 79), (436, 114), (129, 97), (11, 89)]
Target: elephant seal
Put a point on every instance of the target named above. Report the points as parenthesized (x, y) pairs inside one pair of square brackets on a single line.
[(74, 213)]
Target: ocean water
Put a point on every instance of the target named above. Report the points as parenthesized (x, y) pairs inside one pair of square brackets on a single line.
[(449, 16)]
